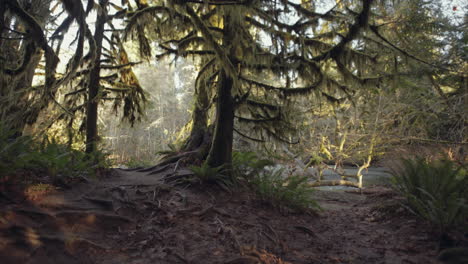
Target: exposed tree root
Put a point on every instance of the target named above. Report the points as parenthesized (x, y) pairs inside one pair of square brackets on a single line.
[(161, 169), (173, 177), (194, 151), (169, 161)]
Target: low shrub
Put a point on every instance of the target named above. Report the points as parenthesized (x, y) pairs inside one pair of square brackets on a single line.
[(291, 192), (435, 191), (271, 186)]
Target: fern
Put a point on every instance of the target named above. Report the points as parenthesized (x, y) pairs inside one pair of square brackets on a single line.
[(50, 157), (217, 175), (292, 192), (434, 191), (247, 164), (271, 186)]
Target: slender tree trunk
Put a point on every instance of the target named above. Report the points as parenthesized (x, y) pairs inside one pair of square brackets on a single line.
[(94, 78), (221, 146)]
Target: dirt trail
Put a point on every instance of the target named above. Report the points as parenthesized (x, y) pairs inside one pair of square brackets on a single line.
[(134, 218), (355, 232)]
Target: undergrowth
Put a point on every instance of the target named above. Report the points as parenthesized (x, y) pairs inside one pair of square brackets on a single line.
[(291, 192), (270, 186), (218, 175), (435, 191), (24, 153)]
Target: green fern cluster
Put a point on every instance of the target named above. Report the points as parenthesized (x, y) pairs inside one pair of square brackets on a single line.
[(244, 165), (271, 186), (435, 191), (50, 157), (217, 175), (60, 160), (291, 192), (247, 164)]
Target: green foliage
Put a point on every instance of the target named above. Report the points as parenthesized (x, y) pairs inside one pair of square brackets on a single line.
[(247, 164), (272, 187), (60, 160), (292, 192), (57, 160), (314, 160), (14, 152), (435, 191), (217, 175)]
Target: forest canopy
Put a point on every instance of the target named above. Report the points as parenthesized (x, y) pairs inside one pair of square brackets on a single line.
[(268, 73)]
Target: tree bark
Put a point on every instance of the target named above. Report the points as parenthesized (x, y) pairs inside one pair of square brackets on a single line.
[(198, 131), (94, 78), (22, 108), (2, 22), (199, 119), (221, 146)]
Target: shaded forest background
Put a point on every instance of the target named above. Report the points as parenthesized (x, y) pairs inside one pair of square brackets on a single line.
[(258, 97), (415, 93)]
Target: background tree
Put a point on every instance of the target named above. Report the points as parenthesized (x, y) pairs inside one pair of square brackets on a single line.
[(169, 93), (230, 38), (429, 70), (105, 75), (68, 92), (407, 41)]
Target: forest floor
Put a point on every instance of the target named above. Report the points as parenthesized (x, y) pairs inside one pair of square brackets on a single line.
[(132, 217)]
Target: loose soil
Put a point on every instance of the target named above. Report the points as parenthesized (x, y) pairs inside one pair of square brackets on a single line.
[(132, 217)]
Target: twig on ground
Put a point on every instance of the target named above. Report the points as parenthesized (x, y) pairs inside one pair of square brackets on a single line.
[(272, 230)]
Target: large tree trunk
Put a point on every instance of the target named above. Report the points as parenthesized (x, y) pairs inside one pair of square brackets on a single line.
[(23, 105), (93, 88), (221, 146)]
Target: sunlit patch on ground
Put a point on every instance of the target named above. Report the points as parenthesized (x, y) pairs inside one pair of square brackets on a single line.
[(35, 191)]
